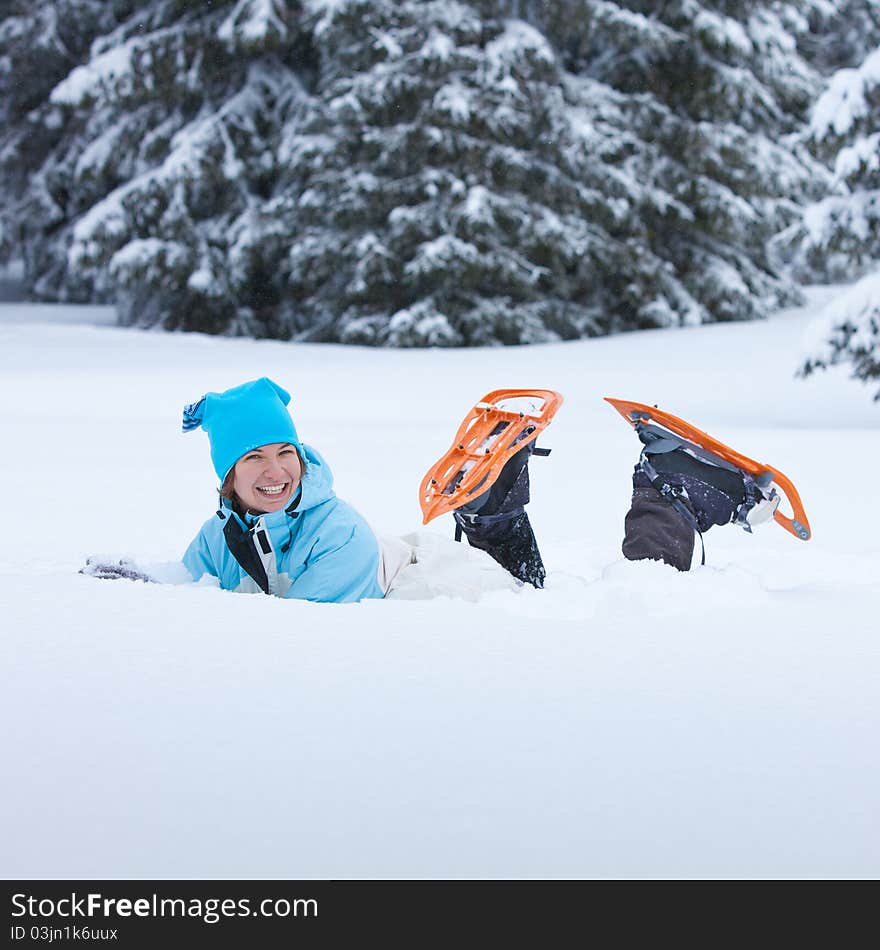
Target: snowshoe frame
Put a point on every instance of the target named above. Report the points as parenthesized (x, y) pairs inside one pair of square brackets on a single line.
[(487, 437), (638, 414)]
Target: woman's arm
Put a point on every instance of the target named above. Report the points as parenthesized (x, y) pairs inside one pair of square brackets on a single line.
[(195, 564), (160, 572), (198, 558)]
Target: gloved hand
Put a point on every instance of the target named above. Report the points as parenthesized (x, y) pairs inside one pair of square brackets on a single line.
[(110, 570)]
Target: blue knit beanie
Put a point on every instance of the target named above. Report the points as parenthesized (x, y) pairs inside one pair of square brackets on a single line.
[(242, 419)]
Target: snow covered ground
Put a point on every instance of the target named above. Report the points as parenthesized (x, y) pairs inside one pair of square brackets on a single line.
[(626, 721)]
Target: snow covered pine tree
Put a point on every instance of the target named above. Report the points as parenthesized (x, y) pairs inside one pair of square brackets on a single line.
[(407, 173), (838, 238)]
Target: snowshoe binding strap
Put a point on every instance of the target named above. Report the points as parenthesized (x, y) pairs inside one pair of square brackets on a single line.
[(497, 427), (650, 423)]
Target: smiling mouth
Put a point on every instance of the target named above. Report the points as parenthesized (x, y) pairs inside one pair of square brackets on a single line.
[(273, 491)]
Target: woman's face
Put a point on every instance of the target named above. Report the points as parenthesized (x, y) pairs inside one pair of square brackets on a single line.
[(266, 478)]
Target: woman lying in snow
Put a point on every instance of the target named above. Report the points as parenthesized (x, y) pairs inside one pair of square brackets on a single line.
[(280, 528)]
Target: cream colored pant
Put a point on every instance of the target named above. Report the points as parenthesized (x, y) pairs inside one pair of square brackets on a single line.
[(424, 564)]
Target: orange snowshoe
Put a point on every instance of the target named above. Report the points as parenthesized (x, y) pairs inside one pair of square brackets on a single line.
[(648, 418), (497, 427)]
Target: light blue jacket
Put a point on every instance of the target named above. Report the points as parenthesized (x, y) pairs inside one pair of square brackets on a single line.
[(321, 550)]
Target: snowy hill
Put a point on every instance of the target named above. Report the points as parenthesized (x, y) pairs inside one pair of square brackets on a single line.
[(626, 721)]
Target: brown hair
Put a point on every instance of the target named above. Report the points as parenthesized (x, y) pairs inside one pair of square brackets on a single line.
[(228, 492)]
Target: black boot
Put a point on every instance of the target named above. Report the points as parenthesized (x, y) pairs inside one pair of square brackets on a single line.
[(496, 521)]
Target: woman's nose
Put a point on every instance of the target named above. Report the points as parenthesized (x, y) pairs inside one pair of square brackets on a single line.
[(273, 469)]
